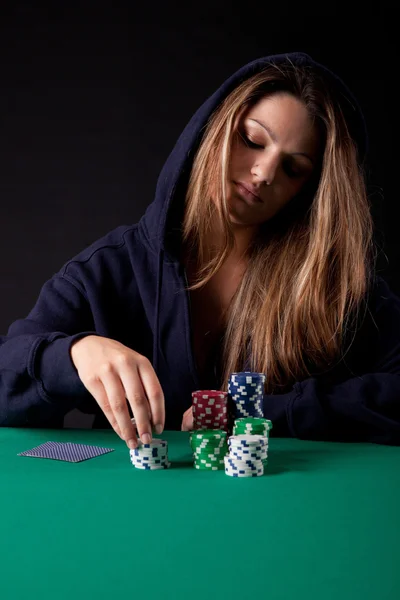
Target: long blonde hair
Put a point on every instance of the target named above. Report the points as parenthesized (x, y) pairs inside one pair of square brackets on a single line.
[(311, 265)]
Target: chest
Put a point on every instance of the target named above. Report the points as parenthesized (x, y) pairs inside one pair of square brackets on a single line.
[(209, 312)]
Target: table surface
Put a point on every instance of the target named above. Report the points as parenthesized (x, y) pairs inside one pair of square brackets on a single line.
[(323, 522)]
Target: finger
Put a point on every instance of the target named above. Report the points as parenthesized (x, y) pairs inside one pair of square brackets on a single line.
[(138, 401), (189, 421), (189, 411), (97, 390), (154, 394), (116, 397)]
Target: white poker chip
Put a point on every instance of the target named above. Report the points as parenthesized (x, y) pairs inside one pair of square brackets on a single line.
[(247, 439), (153, 467), (240, 474), (244, 457), (242, 464)]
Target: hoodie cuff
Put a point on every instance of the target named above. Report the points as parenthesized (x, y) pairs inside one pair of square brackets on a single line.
[(57, 375)]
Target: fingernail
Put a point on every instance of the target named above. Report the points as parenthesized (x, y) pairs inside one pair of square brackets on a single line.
[(132, 444), (159, 428), (146, 438)]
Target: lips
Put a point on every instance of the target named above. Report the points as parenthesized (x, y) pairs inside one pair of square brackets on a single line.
[(246, 189)]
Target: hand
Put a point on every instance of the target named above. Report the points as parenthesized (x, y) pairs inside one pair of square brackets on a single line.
[(113, 374), (187, 420)]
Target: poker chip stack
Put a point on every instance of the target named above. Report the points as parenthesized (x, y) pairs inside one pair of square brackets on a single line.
[(209, 448), (210, 409), (245, 395), (252, 426), (150, 457), (247, 456)]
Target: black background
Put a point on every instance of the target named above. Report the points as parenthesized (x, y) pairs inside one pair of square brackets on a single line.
[(93, 98)]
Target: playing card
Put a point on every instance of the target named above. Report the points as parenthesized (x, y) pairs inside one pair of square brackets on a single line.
[(65, 451)]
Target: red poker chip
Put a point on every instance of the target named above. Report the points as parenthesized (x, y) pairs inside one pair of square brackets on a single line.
[(206, 394)]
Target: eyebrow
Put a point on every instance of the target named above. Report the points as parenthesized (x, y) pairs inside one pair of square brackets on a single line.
[(275, 139)]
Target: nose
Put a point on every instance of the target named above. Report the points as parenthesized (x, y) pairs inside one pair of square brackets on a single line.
[(266, 168)]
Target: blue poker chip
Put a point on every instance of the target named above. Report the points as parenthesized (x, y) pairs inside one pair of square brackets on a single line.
[(248, 375)]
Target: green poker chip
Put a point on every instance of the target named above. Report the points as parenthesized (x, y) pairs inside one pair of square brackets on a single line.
[(253, 422)]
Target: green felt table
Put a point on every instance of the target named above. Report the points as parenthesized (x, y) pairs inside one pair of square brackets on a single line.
[(322, 523)]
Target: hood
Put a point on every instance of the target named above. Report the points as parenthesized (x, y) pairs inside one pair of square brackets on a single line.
[(176, 170), (161, 222)]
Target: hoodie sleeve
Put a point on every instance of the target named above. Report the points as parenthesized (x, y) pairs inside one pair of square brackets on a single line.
[(38, 380), (364, 407)]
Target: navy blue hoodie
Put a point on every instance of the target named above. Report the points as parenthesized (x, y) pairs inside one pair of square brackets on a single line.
[(130, 286)]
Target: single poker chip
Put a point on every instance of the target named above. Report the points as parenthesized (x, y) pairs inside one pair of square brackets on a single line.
[(251, 463), (208, 467), (208, 434), (147, 448), (209, 457), (153, 467), (247, 440), (253, 456), (249, 376), (137, 463), (155, 443), (149, 459), (210, 451), (153, 450), (247, 449), (243, 474), (245, 464), (214, 438), (208, 446), (150, 467)]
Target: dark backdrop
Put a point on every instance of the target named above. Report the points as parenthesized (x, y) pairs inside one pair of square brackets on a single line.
[(93, 98)]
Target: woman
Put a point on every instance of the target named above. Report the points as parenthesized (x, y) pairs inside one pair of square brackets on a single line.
[(256, 254)]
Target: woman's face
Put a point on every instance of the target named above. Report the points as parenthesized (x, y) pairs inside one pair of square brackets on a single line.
[(282, 148)]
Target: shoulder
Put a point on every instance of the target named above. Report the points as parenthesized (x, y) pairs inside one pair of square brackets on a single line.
[(105, 259), (104, 250)]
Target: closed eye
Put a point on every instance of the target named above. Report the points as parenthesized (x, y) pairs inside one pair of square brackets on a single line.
[(289, 171), (249, 142)]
